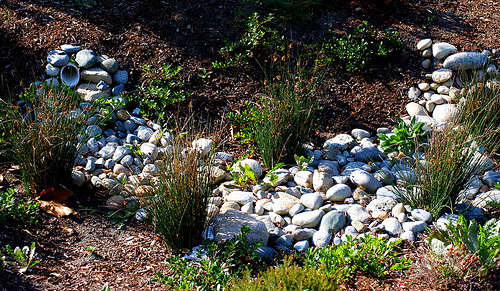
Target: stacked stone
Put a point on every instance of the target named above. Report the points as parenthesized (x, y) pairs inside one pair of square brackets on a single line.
[(435, 101), (99, 75)]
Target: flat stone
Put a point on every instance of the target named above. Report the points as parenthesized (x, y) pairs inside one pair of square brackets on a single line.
[(333, 221), (96, 75), (465, 61), (309, 219), (441, 75), (442, 49), (424, 44), (227, 225)]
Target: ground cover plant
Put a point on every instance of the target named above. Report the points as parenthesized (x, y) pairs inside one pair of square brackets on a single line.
[(13, 206)]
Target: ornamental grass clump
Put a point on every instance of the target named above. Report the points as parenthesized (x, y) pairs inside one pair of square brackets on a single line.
[(178, 203), (457, 152), (43, 136)]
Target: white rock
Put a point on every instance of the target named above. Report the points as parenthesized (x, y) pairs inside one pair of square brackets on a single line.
[(366, 180), (253, 164), (414, 226), (227, 225), (415, 109), (441, 75), (321, 238), (465, 61), (338, 193), (309, 219), (203, 145), (408, 235), (304, 179), (322, 181), (422, 215), (444, 112), (359, 213), (424, 86), (424, 44), (441, 50), (392, 226), (312, 200), (414, 93)]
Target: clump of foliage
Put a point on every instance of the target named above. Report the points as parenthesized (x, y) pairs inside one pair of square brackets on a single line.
[(178, 202), (454, 154), (217, 267), (17, 208), (160, 89), (358, 48), (405, 139), (287, 11), (44, 134), (259, 41), (23, 258), (482, 241), (368, 254), (280, 121), (290, 277)]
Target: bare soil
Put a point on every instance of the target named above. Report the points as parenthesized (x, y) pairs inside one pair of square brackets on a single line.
[(189, 33)]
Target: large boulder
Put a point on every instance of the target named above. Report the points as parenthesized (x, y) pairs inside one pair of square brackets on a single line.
[(228, 224)]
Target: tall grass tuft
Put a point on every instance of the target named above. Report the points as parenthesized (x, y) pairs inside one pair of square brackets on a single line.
[(454, 154), (178, 203), (43, 136), (286, 111)]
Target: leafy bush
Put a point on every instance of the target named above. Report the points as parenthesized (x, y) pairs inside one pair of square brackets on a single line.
[(220, 264), (44, 136), (279, 123), (159, 90), (258, 41), (405, 138), (179, 199), (360, 47), (482, 241), (12, 207), (453, 155), (369, 254), (289, 277)]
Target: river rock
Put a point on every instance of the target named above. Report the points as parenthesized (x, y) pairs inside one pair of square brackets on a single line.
[(359, 213), (441, 75), (414, 93), (333, 221), (392, 226), (240, 197), (322, 181), (228, 224), (329, 167), (442, 49), (116, 202), (304, 179), (360, 134), (78, 178), (382, 203), (321, 238), (338, 193), (52, 70), (309, 219), (90, 93), (415, 226), (58, 58), (415, 109), (421, 214), (109, 65), (253, 164), (465, 61), (366, 180), (144, 132), (71, 49), (120, 152), (120, 77), (312, 200), (118, 169), (340, 142), (444, 112), (490, 178), (95, 75), (424, 44), (86, 59), (281, 176)]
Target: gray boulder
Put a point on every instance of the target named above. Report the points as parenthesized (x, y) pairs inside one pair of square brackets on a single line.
[(465, 61), (228, 224)]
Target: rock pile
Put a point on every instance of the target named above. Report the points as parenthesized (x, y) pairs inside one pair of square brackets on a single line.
[(346, 190)]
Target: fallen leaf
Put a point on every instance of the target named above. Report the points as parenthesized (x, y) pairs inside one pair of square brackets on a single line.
[(55, 208)]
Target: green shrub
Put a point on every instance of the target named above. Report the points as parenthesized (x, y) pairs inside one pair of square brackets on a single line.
[(12, 207), (280, 122), (360, 47), (368, 254), (159, 90), (405, 138), (259, 41), (480, 240), (218, 266), (23, 258), (453, 155), (289, 277), (44, 136), (178, 202)]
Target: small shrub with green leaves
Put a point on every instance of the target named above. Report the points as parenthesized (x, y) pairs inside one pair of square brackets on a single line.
[(23, 258), (405, 139), (303, 162), (44, 136), (289, 277), (17, 208), (218, 266), (368, 254), (259, 41), (360, 47), (160, 89), (480, 240)]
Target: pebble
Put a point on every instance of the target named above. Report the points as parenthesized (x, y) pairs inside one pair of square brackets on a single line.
[(415, 109), (424, 44), (359, 213), (312, 200), (120, 77), (321, 238), (338, 193)]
